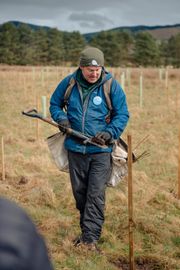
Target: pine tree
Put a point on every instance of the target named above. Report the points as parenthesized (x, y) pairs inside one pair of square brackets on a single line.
[(8, 44), (173, 48), (41, 47), (115, 45), (55, 47), (26, 51), (74, 43), (146, 50)]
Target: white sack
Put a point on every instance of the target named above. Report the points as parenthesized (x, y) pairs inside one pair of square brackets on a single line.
[(59, 155), (119, 165), (58, 152)]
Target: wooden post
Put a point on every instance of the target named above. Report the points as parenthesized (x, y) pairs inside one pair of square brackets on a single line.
[(47, 74), (42, 77), (33, 73), (57, 74), (130, 205), (179, 169), (3, 162), (37, 121), (24, 86), (167, 87), (166, 78), (176, 102), (123, 81), (160, 74), (141, 91), (128, 78)]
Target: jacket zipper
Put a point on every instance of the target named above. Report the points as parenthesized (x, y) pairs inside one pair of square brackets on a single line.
[(80, 91), (85, 105)]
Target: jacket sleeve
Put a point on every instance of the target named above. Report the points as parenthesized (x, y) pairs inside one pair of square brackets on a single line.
[(120, 114), (57, 100)]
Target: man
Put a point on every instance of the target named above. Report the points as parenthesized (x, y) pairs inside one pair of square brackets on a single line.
[(90, 165), (21, 245)]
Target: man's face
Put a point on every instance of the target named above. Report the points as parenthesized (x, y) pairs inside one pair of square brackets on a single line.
[(91, 73)]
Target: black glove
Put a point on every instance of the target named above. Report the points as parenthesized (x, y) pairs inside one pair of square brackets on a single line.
[(103, 136), (63, 124)]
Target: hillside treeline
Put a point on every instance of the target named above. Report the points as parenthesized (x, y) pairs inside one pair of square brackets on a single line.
[(23, 45)]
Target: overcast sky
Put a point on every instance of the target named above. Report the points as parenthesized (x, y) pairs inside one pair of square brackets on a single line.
[(91, 15)]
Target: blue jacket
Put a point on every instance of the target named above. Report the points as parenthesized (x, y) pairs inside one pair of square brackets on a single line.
[(89, 118)]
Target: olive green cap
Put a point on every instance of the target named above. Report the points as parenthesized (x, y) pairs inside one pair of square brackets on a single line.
[(91, 56)]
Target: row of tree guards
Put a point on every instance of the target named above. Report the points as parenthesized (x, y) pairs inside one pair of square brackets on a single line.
[(162, 74), (124, 77), (125, 81), (130, 193), (45, 72)]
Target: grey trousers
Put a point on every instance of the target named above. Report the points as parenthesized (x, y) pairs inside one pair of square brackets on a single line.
[(89, 174)]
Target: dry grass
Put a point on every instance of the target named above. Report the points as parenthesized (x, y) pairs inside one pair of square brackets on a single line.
[(35, 183)]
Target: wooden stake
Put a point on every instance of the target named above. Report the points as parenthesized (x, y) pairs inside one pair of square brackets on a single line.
[(176, 102), (24, 86), (37, 121), (3, 162), (160, 74), (141, 91), (42, 77), (166, 78), (130, 205), (167, 96), (167, 88), (129, 78), (57, 74), (179, 170), (123, 81)]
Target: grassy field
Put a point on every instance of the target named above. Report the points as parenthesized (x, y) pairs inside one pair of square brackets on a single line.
[(32, 179)]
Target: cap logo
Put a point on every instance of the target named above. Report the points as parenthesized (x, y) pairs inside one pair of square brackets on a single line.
[(94, 63)]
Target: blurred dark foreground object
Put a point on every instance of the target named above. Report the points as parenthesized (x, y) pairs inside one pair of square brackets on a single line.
[(21, 246)]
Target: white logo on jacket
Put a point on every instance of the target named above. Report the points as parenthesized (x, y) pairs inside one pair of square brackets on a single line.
[(97, 100)]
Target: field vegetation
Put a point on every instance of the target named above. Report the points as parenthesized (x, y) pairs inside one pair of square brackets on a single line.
[(35, 183)]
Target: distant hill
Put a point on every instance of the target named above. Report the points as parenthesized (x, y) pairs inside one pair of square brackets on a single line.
[(163, 32), (159, 32), (32, 26)]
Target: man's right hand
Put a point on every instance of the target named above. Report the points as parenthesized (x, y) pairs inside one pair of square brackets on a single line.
[(63, 124)]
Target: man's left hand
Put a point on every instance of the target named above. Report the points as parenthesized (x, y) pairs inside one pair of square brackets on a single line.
[(103, 136)]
